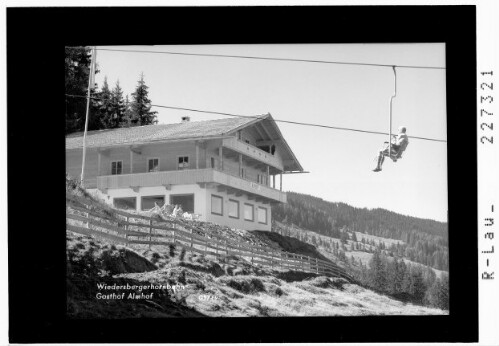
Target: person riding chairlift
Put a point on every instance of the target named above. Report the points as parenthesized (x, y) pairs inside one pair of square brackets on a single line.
[(398, 145)]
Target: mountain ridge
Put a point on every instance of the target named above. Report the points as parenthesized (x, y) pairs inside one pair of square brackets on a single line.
[(423, 240)]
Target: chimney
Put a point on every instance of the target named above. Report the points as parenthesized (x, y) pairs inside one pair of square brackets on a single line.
[(186, 119)]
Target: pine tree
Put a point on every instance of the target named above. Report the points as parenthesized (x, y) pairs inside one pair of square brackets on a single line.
[(443, 292), (77, 70), (399, 279), (141, 113), (377, 271), (314, 240), (103, 108), (415, 285), (117, 107), (126, 121)]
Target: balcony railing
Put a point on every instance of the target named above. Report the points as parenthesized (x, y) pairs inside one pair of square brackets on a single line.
[(252, 151), (191, 176)]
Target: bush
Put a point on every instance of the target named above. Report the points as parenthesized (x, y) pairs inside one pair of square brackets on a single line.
[(181, 278), (155, 257), (244, 285)]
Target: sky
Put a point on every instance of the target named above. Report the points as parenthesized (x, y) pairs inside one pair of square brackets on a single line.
[(340, 162)]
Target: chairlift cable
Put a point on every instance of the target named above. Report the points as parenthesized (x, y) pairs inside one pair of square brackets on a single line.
[(270, 58), (276, 120)]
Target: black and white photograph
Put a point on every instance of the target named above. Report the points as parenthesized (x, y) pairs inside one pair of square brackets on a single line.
[(271, 192), (246, 174)]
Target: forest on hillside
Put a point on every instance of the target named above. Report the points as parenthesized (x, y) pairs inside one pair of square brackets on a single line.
[(422, 240)]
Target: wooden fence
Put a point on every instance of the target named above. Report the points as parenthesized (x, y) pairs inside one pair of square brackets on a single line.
[(87, 217)]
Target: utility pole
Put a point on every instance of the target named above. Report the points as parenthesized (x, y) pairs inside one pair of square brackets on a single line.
[(91, 77)]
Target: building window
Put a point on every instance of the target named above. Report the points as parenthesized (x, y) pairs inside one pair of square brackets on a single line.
[(183, 162), (185, 201), (233, 209), (262, 215), (267, 148), (125, 203), (116, 167), (149, 202), (212, 161), (153, 165), (216, 205), (248, 212)]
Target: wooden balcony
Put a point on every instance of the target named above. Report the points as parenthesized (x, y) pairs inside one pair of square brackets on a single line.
[(252, 152), (191, 176)]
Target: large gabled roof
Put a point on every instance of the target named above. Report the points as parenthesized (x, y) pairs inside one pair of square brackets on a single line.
[(179, 131), (153, 133)]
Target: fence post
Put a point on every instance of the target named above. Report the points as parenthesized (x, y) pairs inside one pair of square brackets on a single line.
[(271, 259), (173, 234), (317, 265), (205, 245), (87, 224), (126, 229), (192, 243), (150, 232)]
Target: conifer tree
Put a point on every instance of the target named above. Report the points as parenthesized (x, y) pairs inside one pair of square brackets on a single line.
[(378, 279), (399, 279), (117, 107), (443, 292), (77, 70), (103, 108), (141, 113), (126, 121), (414, 284)]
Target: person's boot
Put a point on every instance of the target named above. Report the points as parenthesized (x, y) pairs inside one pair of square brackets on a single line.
[(380, 162)]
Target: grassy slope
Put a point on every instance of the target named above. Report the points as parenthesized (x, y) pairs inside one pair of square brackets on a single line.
[(358, 255), (212, 286), (90, 262), (233, 287), (290, 244), (387, 241)]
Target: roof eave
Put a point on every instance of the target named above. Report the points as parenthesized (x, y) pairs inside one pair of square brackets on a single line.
[(300, 168), (153, 142)]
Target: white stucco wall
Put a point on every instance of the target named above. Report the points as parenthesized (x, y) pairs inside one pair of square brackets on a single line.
[(240, 223), (199, 195), (202, 203)]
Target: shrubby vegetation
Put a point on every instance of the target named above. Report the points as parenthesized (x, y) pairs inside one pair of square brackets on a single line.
[(423, 241), (412, 283)]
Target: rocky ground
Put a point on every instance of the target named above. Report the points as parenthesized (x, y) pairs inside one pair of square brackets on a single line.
[(195, 285)]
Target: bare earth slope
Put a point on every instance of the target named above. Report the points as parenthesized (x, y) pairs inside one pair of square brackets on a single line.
[(205, 286), (167, 281)]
